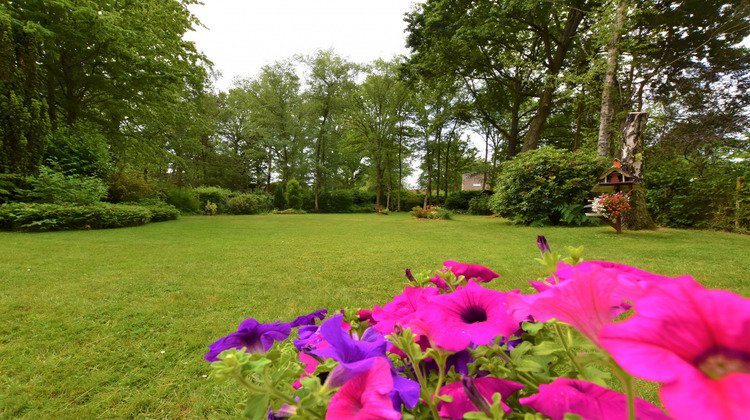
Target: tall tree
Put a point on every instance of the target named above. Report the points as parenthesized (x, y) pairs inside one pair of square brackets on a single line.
[(24, 124)]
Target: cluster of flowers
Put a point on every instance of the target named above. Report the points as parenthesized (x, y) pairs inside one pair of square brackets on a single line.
[(611, 205), (429, 212), (448, 347)]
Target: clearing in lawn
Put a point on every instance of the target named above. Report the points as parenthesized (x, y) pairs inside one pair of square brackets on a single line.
[(114, 323)]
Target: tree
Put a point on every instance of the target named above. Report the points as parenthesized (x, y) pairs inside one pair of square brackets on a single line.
[(279, 201), (330, 82), (24, 124), (294, 194)]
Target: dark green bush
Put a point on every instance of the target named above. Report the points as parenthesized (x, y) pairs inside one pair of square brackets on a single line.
[(480, 205), (47, 216), (183, 200), (341, 201), (294, 196), (459, 200), (279, 201), (13, 187), (217, 195), (51, 186), (532, 187)]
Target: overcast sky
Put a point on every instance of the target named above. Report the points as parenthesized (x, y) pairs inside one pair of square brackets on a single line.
[(241, 36)]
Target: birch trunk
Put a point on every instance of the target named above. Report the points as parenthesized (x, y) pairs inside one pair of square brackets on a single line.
[(638, 217)]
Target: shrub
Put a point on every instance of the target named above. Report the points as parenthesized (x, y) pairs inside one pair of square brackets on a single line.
[(294, 196), (216, 195), (341, 201), (444, 214), (13, 187), (129, 187), (51, 186), (534, 185), (480, 206), (279, 201), (431, 212), (248, 204), (48, 216), (210, 208), (183, 200), (459, 200)]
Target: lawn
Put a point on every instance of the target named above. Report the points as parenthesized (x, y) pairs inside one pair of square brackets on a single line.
[(114, 323)]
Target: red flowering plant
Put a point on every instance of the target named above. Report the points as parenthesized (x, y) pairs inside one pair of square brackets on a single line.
[(611, 205), (449, 348)]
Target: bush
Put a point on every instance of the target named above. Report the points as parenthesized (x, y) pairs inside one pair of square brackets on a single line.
[(51, 186), (129, 187), (48, 216), (216, 195), (459, 200), (533, 186), (480, 206), (248, 204), (294, 197), (183, 200), (13, 187), (279, 201), (431, 212)]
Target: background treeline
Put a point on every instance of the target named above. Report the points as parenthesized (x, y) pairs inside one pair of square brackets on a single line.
[(111, 91)]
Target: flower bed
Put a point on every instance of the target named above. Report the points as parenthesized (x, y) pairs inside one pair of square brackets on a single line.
[(447, 347)]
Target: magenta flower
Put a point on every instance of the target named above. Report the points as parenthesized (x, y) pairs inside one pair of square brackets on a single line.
[(587, 400), (583, 301), (471, 314), (466, 392), (402, 309), (542, 244), (696, 342), (471, 271), (365, 396), (254, 336)]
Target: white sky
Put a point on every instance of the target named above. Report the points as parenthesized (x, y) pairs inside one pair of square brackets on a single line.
[(241, 36)]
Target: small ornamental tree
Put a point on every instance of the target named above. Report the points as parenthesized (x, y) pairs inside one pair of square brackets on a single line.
[(279, 201), (294, 197)]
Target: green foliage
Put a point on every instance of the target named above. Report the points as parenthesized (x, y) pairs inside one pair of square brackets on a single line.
[(533, 186), (347, 201), (24, 120), (13, 187), (248, 204), (129, 187), (210, 208), (459, 200), (480, 206), (78, 151), (216, 195), (51, 186), (183, 200), (575, 214), (682, 195), (294, 194), (431, 212), (409, 200), (45, 216), (279, 201)]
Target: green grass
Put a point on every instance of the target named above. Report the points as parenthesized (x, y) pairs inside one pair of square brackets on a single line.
[(114, 323)]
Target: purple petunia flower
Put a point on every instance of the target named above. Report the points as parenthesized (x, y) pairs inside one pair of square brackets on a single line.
[(587, 400), (309, 319), (254, 336), (541, 243)]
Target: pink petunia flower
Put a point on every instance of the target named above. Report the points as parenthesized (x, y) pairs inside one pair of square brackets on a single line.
[(463, 402), (471, 314), (402, 309), (587, 400), (365, 396), (695, 341), (471, 271)]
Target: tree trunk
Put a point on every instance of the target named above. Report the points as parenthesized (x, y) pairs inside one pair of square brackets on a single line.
[(400, 174), (638, 217), (608, 112)]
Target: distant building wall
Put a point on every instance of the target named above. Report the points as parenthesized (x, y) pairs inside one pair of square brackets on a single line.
[(472, 182)]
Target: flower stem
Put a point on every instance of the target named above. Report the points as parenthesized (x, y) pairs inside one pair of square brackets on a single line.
[(627, 385), (570, 354), (522, 376)]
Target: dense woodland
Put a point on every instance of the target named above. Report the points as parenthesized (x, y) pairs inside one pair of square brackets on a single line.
[(112, 90)]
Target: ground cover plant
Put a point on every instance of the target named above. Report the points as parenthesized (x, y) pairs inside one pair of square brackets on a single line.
[(114, 323)]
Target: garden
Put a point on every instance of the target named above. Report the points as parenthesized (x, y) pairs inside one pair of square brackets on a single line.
[(115, 323)]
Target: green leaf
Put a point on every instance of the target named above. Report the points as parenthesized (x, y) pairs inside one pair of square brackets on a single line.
[(257, 407)]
